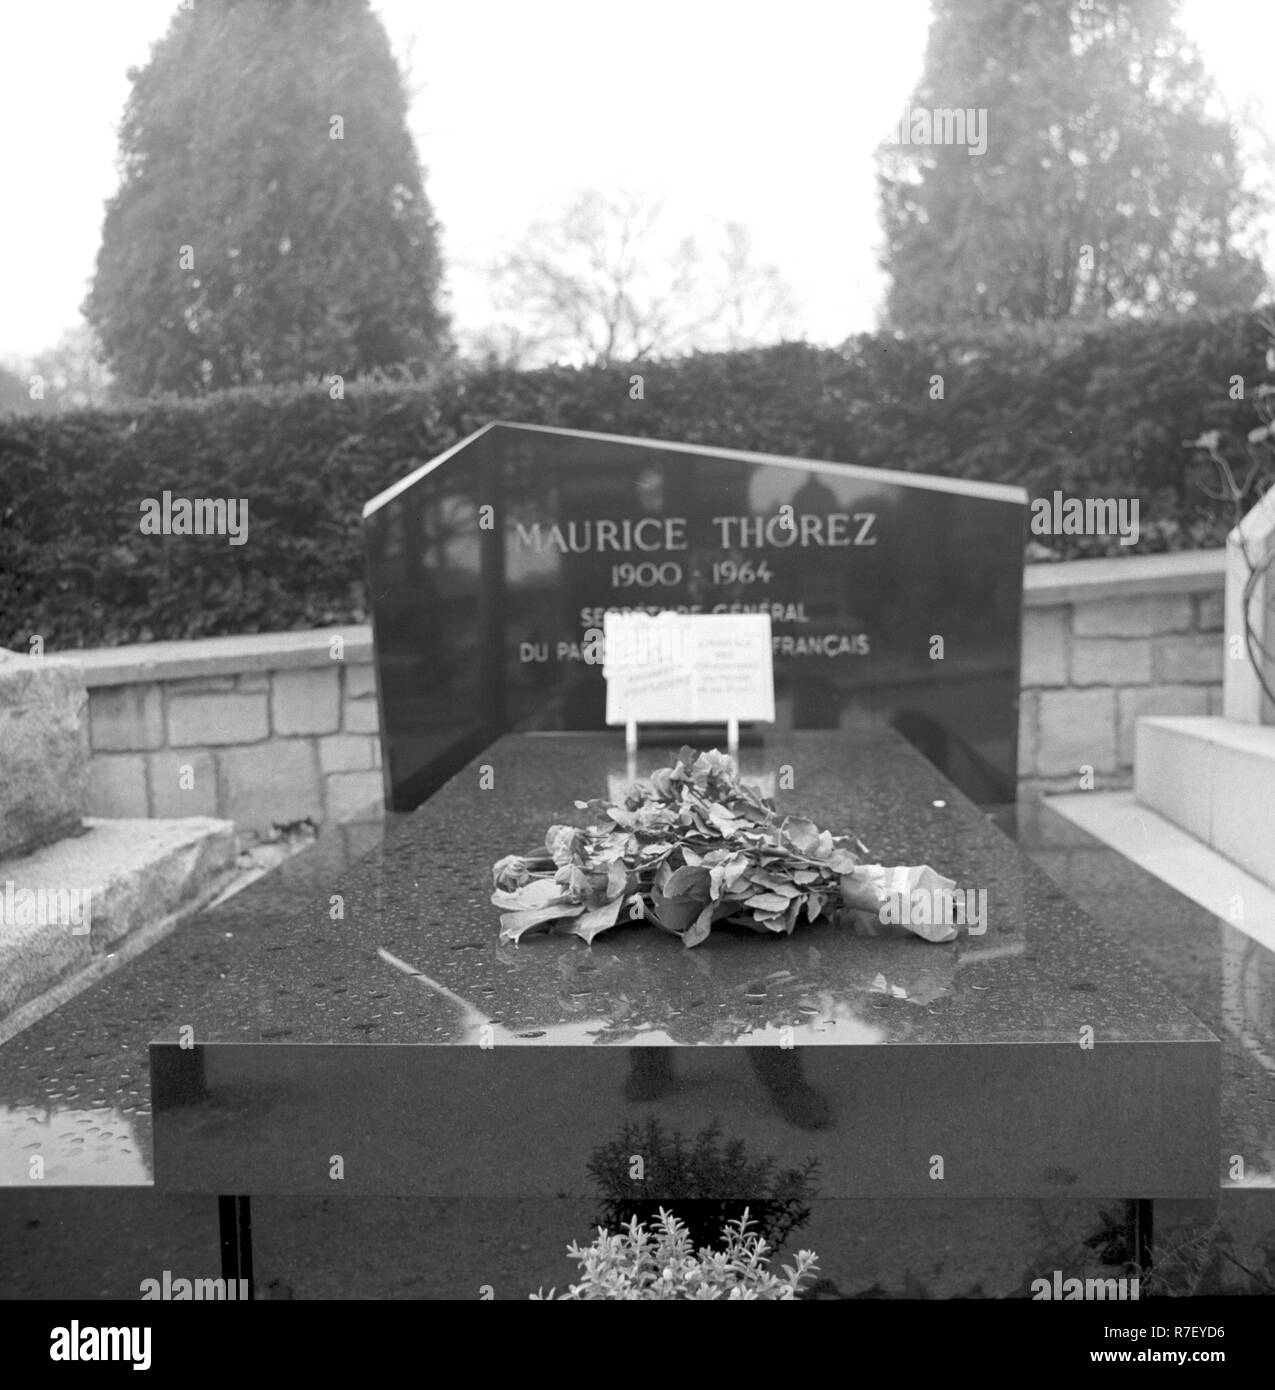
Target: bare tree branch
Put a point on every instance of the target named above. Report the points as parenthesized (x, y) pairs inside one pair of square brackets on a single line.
[(604, 284)]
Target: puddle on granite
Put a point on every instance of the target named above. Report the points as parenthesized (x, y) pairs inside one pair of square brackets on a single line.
[(80, 1147), (1248, 994)]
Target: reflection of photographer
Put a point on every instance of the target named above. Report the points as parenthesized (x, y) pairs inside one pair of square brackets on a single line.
[(815, 576), (651, 1075)]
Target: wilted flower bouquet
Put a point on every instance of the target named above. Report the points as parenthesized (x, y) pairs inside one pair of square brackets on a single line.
[(690, 847)]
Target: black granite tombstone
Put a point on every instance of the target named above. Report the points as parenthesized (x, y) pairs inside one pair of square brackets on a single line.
[(1036, 1058), (894, 597)]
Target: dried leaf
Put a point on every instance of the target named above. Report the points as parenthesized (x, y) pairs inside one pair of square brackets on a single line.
[(598, 919), (767, 902), (699, 929), (513, 924), (691, 880)]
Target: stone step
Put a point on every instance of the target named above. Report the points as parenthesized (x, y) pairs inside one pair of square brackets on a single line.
[(118, 884), (1215, 778), (1147, 839)]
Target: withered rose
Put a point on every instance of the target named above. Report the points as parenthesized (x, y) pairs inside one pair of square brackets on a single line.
[(510, 873), (693, 846)]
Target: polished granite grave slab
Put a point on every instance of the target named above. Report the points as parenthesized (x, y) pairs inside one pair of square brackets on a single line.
[(389, 1035), (490, 565), (1219, 970)]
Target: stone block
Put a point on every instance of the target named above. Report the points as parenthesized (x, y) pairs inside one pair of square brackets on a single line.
[(126, 717), (1172, 768), (1215, 779), (360, 680), (351, 794), (183, 782), (118, 878), (306, 701), (44, 763), (201, 685), (1110, 660), (1190, 659), (1210, 612), (1044, 647), (348, 753), (1028, 717), (1077, 729), (117, 786), (1156, 699), (1243, 820), (215, 720), (1143, 616), (253, 682), (34, 956), (276, 783), (361, 717)]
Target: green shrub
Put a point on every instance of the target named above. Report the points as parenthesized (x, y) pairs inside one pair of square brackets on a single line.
[(1101, 411), (641, 1265)]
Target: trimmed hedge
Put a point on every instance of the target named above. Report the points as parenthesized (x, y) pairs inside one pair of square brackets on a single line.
[(1101, 412)]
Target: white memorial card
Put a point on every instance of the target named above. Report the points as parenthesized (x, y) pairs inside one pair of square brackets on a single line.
[(688, 668)]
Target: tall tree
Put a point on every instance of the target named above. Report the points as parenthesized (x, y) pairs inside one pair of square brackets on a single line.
[(1108, 184), (271, 222)]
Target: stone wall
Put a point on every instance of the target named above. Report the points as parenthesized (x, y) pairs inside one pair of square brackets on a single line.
[(1105, 642), (279, 727), (265, 729)]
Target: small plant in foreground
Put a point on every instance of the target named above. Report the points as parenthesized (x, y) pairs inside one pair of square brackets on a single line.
[(662, 1264)]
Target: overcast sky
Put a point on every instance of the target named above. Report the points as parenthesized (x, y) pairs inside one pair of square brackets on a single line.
[(762, 114)]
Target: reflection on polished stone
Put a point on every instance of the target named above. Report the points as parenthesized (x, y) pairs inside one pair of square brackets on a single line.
[(489, 565), (1223, 974), (70, 1146), (653, 1073), (1005, 1120), (1248, 994), (877, 1053)]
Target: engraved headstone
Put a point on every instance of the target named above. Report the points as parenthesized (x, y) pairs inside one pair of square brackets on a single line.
[(894, 597)]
